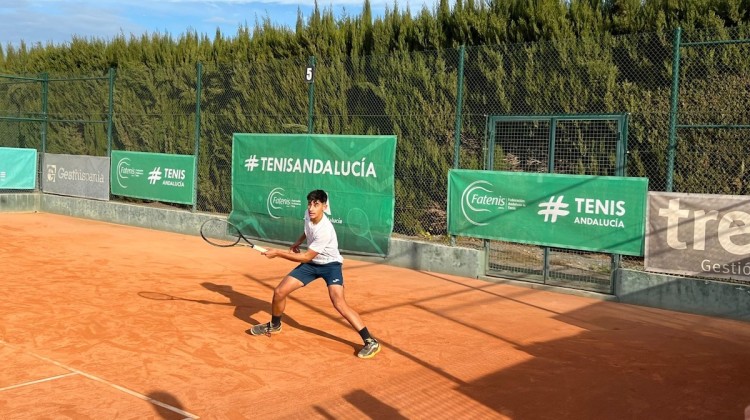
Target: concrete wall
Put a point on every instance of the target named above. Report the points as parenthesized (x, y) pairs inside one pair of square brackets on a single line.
[(437, 258), (409, 254), (683, 294), (19, 202), (171, 220), (631, 286)]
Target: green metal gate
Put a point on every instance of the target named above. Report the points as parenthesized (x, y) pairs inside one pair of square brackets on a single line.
[(564, 144)]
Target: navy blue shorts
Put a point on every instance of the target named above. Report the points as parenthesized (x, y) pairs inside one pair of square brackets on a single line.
[(307, 272)]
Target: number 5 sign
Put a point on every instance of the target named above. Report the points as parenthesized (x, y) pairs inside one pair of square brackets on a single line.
[(309, 74)]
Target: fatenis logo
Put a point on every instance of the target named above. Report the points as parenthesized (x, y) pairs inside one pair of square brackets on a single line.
[(125, 171), (478, 198), (277, 201)]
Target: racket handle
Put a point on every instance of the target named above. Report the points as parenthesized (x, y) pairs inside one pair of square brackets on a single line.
[(260, 248)]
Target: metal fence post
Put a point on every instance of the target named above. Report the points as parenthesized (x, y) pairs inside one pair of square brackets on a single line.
[(310, 99), (622, 128), (459, 113), (459, 108), (197, 146), (110, 110), (45, 117), (671, 149)]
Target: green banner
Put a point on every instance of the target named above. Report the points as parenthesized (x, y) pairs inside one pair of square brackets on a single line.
[(153, 176), (272, 174), (17, 168), (593, 213)]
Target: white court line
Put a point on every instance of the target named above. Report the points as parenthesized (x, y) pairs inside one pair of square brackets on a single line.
[(104, 381), (51, 378)]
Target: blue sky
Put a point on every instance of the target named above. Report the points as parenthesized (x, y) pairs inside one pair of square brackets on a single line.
[(57, 21)]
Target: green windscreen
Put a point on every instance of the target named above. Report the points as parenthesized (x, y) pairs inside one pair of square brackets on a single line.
[(592, 213), (153, 176), (272, 174), (18, 168)]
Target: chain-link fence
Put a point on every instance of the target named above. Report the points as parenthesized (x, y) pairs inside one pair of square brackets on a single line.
[(77, 115), (21, 112), (712, 123), (564, 144), (55, 115), (686, 134)]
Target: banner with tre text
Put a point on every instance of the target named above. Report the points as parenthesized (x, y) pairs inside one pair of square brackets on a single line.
[(705, 235)]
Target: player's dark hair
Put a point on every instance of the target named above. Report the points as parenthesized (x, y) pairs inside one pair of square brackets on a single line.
[(317, 195)]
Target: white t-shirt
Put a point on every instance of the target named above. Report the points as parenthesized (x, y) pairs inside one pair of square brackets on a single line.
[(321, 238)]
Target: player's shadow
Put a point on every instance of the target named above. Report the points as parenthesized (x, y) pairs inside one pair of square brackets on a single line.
[(244, 306), (247, 306)]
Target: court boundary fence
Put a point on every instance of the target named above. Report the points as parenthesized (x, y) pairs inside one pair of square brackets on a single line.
[(543, 144), (456, 134), (631, 286)]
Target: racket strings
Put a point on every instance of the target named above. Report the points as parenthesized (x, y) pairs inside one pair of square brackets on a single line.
[(359, 223), (219, 232)]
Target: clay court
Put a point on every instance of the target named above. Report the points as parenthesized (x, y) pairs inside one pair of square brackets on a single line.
[(82, 338)]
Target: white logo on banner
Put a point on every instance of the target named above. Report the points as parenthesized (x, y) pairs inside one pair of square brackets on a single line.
[(154, 175), (553, 208), (51, 170), (473, 196), (124, 171), (357, 168), (730, 228), (276, 201), (251, 163)]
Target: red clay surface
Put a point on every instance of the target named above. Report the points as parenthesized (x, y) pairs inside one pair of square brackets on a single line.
[(78, 341)]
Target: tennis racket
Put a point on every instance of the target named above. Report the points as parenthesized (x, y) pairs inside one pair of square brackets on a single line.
[(359, 224), (219, 232)]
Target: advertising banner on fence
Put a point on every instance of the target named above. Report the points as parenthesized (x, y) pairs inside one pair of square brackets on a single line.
[(17, 168), (592, 213), (272, 174), (153, 176), (76, 176), (698, 235)]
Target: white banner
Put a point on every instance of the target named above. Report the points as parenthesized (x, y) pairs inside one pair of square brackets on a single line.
[(76, 176), (699, 235)]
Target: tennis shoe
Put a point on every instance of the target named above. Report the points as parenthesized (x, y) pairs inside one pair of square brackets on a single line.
[(371, 348), (264, 329)]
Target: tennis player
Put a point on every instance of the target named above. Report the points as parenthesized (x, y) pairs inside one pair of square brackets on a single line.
[(322, 259)]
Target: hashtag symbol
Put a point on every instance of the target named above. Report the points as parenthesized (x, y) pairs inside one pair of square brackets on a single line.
[(251, 163), (154, 175), (553, 208)]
